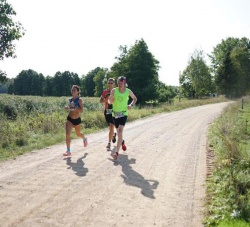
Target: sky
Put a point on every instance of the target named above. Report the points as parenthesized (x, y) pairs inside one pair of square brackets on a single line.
[(80, 35)]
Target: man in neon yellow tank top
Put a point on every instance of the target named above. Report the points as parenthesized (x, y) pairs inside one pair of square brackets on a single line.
[(119, 97)]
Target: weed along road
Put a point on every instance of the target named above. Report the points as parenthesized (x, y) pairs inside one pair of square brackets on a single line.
[(158, 181)]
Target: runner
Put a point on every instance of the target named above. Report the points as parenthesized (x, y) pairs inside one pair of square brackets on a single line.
[(119, 97), (108, 111), (75, 108)]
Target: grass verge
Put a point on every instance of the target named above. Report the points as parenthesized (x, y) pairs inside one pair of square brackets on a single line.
[(228, 188)]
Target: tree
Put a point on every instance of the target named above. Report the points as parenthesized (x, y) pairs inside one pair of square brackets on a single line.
[(28, 82), (166, 93), (48, 85), (9, 32), (3, 88), (140, 68), (241, 62), (66, 81), (99, 82), (230, 63), (225, 76), (89, 83), (186, 83), (10, 85), (62, 82), (196, 80)]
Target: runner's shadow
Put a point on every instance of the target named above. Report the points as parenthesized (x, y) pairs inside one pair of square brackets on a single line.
[(135, 179), (78, 166)]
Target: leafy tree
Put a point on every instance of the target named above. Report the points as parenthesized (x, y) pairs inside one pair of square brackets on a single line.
[(41, 82), (62, 82), (100, 82), (141, 70), (9, 32), (21, 83), (28, 82), (120, 67), (37, 83), (75, 78), (186, 82), (241, 62), (166, 93), (230, 63), (67, 81), (3, 88), (196, 80), (10, 85), (48, 86), (3, 76), (58, 84), (89, 83), (226, 78)]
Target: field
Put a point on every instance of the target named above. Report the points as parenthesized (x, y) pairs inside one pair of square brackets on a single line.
[(29, 122), (33, 122)]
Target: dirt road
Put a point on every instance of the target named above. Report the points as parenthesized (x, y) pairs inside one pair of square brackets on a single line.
[(158, 181)]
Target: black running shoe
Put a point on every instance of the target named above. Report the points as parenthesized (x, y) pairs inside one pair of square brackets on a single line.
[(114, 138), (108, 146)]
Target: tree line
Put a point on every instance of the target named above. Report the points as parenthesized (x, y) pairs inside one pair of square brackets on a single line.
[(228, 73), (136, 63)]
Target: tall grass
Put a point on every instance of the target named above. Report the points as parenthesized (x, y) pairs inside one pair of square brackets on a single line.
[(32, 122), (229, 187)]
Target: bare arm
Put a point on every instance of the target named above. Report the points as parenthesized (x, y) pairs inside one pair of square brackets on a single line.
[(80, 109), (111, 97), (103, 100), (131, 94)]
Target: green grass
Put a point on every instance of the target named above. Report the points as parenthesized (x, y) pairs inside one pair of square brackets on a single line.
[(228, 190), (29, 122), (238, 223)]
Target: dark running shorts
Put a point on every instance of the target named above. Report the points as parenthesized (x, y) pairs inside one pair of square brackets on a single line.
[(108, 118), (76, 121), (120, 121)]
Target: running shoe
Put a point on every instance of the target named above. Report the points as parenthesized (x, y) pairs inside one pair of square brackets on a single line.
[(85, 142), (115, 155), (67, 154), (114, 139), (108, 146), (124, 146)]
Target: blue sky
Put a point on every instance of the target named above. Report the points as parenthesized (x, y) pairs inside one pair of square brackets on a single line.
[(80, 35)]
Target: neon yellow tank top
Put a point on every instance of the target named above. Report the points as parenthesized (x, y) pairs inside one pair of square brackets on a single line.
[(121, 101)]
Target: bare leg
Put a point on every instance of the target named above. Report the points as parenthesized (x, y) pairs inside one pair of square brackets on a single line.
[(78, 131), (81, 135), (120, 137), (69, 127), (111, 132)]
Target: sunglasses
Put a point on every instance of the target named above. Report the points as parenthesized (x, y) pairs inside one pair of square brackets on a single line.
[(110, 83), (73, 90)]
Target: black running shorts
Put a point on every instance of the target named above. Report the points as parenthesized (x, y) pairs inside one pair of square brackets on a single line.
[(76, 121)]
